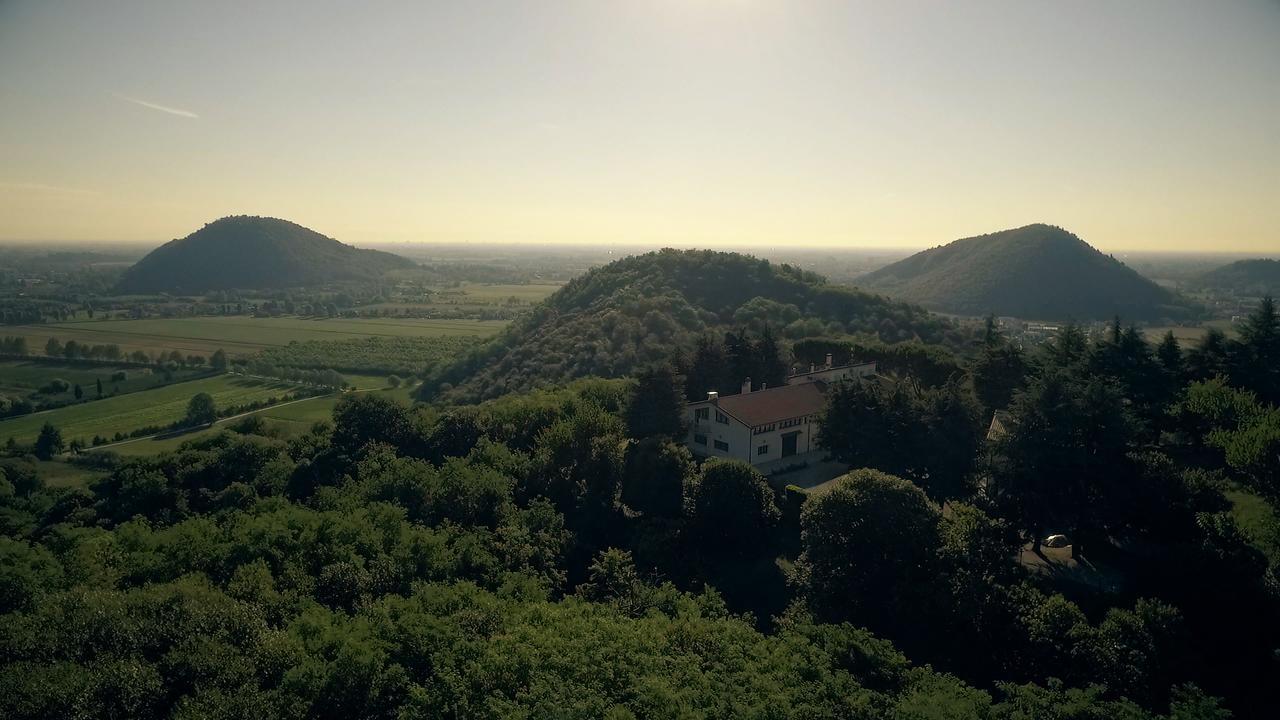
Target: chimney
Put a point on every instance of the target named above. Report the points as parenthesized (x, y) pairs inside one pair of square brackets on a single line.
[(811, 367), (764, 386), (746, 386), (829, 366), (713, 397)]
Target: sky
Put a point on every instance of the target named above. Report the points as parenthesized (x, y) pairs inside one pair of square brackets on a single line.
[(1139, 125)]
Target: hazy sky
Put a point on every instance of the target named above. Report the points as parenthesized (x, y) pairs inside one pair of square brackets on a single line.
[(727, 123)]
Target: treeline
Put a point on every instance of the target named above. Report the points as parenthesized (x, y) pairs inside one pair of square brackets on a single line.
[(31, 312), (726, 366), (111, 352), (323, 378), (11, 345)]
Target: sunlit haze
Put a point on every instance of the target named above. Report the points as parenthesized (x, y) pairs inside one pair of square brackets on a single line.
[(723, 123)]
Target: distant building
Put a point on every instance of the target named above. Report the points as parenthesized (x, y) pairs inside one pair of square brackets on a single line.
[(770, 424)]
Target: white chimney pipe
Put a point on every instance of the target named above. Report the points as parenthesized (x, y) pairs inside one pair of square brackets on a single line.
[(713, 396), (746, 386), (829, 365)]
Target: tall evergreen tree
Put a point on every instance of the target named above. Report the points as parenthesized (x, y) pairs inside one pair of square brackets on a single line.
[(656, 406), (740, 360), (1068, 350), (706, 369), (49, 442), (1000, 369), (1210, 357), (771, 369), (1256, 363), (1169, 353)]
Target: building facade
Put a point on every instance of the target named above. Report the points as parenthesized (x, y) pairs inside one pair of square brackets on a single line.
[(767, 425)]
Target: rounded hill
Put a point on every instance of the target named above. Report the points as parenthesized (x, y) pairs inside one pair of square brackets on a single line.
[(1037, 272), (1244, 277), (249, 252), (646, 309)]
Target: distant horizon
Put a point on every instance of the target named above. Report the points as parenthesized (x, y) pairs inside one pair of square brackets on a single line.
[(106, 243), (1139, 126)]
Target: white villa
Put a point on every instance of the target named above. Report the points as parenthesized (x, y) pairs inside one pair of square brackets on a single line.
[(769, 424)]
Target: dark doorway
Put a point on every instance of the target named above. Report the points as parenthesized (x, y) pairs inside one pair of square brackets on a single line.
[(789, 444)]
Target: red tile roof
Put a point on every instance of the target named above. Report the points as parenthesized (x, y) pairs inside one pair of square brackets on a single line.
[(781, 403)]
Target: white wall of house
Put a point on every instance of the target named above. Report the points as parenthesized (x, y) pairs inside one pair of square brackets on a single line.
[(732, 433), (806, 431), (743, 442)]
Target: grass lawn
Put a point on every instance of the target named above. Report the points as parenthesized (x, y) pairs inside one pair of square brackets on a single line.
[(124, 413), (240, 335), (290, 419)]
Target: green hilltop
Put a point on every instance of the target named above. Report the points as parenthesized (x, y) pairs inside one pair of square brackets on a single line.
[(1244, 277), (644, 309), (1038, 272), (249, 252)]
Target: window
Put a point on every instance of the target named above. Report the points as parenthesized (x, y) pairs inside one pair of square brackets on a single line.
[(701, 414), (762, 450), (700, 439), (722, 418), (722, 446)]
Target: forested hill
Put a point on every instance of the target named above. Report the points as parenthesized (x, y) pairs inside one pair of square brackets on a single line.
[(643, 309), (1245, 277), (1037, 272), (250, 252)]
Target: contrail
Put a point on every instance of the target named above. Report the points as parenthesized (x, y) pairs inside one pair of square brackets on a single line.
[(162, 108), (42, 187)]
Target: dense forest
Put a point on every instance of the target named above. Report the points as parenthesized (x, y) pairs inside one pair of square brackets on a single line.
[(248, 252), (1036, 272), (555, 553), (616, 319)]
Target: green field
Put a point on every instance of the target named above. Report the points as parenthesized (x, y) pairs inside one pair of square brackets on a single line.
[(124, 413), (1188, 334), (290, 419), (530, 293), (240, 335), (21, 378), (475, 297)]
